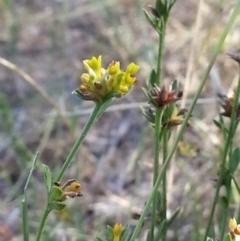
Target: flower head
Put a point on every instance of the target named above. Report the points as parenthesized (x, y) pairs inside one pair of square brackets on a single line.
[(117, 230), (165, 96), (176, 118), (234, 228), (227, 104), (99, 84), (70, 189)]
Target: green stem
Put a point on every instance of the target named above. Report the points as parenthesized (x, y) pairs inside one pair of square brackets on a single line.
[(228, 189), (164, 186), (68, 162), (160, 52), (79, 141), (226, 149), (157, 138), (158, 126), (43, 221), (219, 45)]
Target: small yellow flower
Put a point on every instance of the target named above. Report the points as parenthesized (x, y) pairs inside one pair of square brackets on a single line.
[(177, 117), (132, 69), (70, 189), (113, 68), (234, 228), (117, 230), (94, 64), (99, 84)]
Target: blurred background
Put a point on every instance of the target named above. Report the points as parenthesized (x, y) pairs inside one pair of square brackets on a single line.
[(48, 40)]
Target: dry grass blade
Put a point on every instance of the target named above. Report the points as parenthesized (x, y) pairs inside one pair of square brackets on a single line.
[(35, 85)]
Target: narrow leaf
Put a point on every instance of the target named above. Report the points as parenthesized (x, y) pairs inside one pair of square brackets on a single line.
[(160, 229), (175, 85), (224, 202), (124, 233), (47, 178), (148, 18), (217, 124), (110, 233), (160, 8), (24, 202), (173, 217), (234, 161), (150, 117), (25, 220), (236, 184), (152, 79)]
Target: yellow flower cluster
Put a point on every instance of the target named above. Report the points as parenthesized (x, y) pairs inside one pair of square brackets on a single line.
[(99, 84)]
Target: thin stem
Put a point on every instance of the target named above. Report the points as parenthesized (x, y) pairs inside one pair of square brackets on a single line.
[(158, 120), (160, 53), (43, 221), (157, 138), (79, 141), (232, 131), (164, 186), (219, 45), (24, 202), (68, 161), (226, 148)]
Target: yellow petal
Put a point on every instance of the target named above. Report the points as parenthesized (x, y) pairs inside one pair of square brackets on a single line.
[(232, 223), (113, 68), (117, 229), (132, 68)]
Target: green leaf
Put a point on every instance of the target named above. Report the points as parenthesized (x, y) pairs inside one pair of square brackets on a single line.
[(160, 8), (25, 221), (173, 217), (24, 202), (146, 93), (152, 79), (224, 202), (227, 237), (148, 18), (235, 182), (124, 233), (110, 233), (148, 96), (175, 85), (234, 161), (148, 236), (56, 193), (149, 116), (159, 200), (47, 178), (56, 206), (79, 94), (169, 111), (217, 124), (171, 5), (160, 229)]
